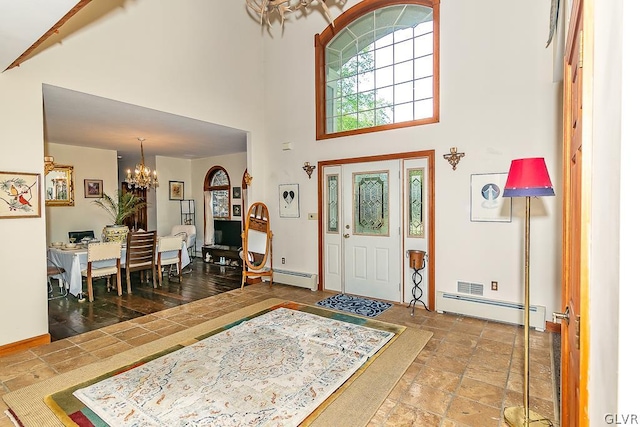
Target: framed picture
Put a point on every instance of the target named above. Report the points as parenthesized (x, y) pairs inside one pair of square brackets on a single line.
[(58, 184), (176, 190), (19, 195), (487, 203), (93, 188), (236, 192), (236, 210), (289, 201)]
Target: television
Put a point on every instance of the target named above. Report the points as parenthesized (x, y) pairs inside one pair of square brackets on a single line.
[(227, 233)]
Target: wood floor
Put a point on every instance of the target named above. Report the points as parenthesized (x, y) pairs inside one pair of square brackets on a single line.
[(69, 317)]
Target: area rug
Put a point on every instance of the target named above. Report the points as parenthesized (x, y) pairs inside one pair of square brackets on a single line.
[(353, 304), (274, 369), (353, 404)]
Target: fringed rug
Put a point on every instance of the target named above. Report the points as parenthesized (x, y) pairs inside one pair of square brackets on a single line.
[(357, 305)]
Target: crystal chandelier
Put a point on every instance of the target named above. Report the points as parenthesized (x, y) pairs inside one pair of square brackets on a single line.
[(142, 177)]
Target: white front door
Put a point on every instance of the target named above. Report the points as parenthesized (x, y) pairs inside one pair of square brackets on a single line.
[(371, 229)]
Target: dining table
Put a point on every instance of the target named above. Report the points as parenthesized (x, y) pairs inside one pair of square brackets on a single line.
[(74, 260)]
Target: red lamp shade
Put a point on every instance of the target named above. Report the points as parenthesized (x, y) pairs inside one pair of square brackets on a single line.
[(528, 177)]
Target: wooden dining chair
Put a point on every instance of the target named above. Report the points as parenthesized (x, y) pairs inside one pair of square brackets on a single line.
[(165, 245), (141, 249), (102, 253)]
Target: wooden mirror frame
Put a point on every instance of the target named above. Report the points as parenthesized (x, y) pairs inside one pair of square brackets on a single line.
[(257, 220), (58, 186)]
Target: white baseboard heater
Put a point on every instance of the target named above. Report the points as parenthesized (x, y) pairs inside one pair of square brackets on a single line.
[(294, 278), (500, 311)]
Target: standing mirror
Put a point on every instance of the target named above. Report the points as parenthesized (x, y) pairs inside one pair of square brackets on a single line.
[(257, 244), (58, 184)]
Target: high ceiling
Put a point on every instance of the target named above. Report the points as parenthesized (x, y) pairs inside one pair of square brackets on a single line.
[(77, 118)]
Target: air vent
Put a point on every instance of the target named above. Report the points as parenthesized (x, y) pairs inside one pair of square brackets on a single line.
[(470, 288)]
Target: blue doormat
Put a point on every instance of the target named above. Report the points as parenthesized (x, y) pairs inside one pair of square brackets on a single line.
[(353, 304)]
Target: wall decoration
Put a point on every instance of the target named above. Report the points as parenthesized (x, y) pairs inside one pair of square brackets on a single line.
[(93, 188), (289, 201), (237, 211), (487, 203), (58, 184), (19, 195), (176, 190), (236, 192)]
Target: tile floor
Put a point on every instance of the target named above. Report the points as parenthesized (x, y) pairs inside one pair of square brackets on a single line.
[(465, 376)]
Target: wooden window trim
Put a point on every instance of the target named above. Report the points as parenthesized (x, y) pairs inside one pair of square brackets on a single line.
[(350, 15)]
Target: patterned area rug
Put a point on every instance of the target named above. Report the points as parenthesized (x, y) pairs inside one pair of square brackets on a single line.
[(275, 368), (356, 305)]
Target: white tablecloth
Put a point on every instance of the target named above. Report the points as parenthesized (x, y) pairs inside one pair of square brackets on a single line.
[(74, 261)]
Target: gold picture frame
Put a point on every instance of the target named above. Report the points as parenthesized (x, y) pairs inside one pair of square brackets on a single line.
[(19, 195), (58, 186)]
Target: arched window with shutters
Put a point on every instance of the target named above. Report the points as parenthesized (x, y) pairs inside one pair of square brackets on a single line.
[(217, 190)]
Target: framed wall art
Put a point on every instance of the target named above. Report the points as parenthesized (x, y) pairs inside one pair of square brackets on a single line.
[(236, 192), (176, 190), (487, 203), (237, 210), (19, 195), (289, 201), (58, 184), (92, 188)]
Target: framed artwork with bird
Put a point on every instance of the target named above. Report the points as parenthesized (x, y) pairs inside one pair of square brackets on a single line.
[(19, 195)]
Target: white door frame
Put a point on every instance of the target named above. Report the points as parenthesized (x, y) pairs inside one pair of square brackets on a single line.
[(429, 156)]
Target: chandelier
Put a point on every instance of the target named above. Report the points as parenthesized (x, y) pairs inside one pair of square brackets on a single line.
[(142, 177), (264, 8)]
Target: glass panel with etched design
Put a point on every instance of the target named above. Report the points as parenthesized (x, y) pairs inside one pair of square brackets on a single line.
[(333, 220), (371, 203), (416, 202)]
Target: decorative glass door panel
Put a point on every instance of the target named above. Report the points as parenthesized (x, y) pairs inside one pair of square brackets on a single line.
[(371, 203)]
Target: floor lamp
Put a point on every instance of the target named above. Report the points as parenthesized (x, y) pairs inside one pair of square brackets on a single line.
[(527, 178)]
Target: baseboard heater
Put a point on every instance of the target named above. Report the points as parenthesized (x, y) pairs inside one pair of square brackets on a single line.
[(294, 278), (500, 311)]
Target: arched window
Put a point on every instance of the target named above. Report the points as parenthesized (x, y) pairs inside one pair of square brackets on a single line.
[(377, 68), (218, 184), (216, 188)]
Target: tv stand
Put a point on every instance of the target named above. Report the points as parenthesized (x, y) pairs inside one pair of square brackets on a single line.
[(216, 252)]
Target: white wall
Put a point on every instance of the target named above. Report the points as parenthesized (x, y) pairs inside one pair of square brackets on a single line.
[(168, 211), (192, 70), (629, 291), (88, 163), (234, 164), (498, 102)]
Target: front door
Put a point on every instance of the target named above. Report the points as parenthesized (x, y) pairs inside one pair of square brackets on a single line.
[(574, 229), (371, 229)]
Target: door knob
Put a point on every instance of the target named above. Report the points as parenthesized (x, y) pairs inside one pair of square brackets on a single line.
[(346, 235), (562, 316)]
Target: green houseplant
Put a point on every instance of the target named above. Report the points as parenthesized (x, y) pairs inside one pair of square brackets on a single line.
[(119, 208)]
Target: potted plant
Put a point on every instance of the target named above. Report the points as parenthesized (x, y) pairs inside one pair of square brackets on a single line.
[(119, 208)]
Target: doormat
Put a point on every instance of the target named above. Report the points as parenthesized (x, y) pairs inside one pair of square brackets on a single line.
[(356, 305)]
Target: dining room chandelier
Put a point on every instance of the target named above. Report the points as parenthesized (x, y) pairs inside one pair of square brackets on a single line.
[(142, 176)]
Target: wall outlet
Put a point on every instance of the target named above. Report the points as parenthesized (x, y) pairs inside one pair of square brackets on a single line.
[(494, 285), (283, 260)]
